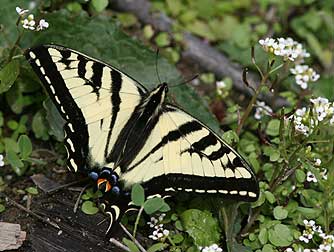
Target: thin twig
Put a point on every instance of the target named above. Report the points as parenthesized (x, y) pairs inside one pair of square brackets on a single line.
[(78, 199), (132, 238), (68, 185), (43, 219), (118, 244)]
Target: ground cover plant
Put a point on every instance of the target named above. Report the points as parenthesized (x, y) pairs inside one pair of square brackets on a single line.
[(288, 46)]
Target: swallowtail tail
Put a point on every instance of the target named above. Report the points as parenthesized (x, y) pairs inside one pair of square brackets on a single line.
[(121, 134)]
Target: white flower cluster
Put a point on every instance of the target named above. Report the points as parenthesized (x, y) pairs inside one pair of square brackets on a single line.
[(2, 163), (29, 23), (261, 110), (303, 75), (286, 48), (310, 177), (311, 229), (211, 248), (159, 232), (293, 51), (322, 110)]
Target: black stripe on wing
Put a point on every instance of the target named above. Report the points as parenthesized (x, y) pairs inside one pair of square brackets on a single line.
[(43, 65)]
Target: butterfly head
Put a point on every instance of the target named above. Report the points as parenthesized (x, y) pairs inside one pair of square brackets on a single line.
[(106, 181)]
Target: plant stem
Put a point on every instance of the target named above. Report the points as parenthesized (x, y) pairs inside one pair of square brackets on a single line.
[(137, 220), (12, 51), (229, 213), (251, 103)]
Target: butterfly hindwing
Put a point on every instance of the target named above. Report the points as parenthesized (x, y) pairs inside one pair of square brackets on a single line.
[(94, 98), (182, 154)]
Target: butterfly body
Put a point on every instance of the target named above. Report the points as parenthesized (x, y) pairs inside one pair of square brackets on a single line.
[(120, 133)]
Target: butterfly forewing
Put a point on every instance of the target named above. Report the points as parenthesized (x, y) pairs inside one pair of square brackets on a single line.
[(94, 98)]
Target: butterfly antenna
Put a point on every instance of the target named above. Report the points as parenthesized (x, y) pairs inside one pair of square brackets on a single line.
[(187, 81), (156, 65)]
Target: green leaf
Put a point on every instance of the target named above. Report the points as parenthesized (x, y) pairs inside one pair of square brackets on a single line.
[(11, 145), (280, 235), (13, 125), (157, 247), (268, 248), (300, 175), (273, 127), (201, 226), (259, 201), (89, 207), (230, 137), (99, 5), (32, 190), (131, 245), (165, 207), (263, 236), (74, 7), (39, 126), (15, 161), (137, 195), (270, 197), (177, 238), (25, 146), (280, 213), (153, 205), (56, 122), (2, 208), (162, 39), (8, 75)]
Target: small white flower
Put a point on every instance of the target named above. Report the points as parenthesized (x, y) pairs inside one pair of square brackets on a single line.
[(286, 48), (323, 173), (29, 23), (311, 177), (212, 248), (42, 25), (2, 163), (220, 84), (317, 162), (261, 110), (289, 250), (303, 75), (20, 11)]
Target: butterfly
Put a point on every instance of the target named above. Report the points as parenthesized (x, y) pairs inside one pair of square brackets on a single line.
[(120, 133)]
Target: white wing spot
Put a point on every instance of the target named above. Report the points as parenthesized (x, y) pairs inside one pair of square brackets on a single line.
[(211, 191), (199, 191), (42, 70), (188, 190), (71, 127), (57, 99), (223, 191), (74, 166), (62, 109), (52, 89), (243, 193), (32, 55), (170, 189), (234, 192), (47, 80), (229, 173), (38, 63), (251, 194), (117, 211), (179, 188), (69, 141)]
